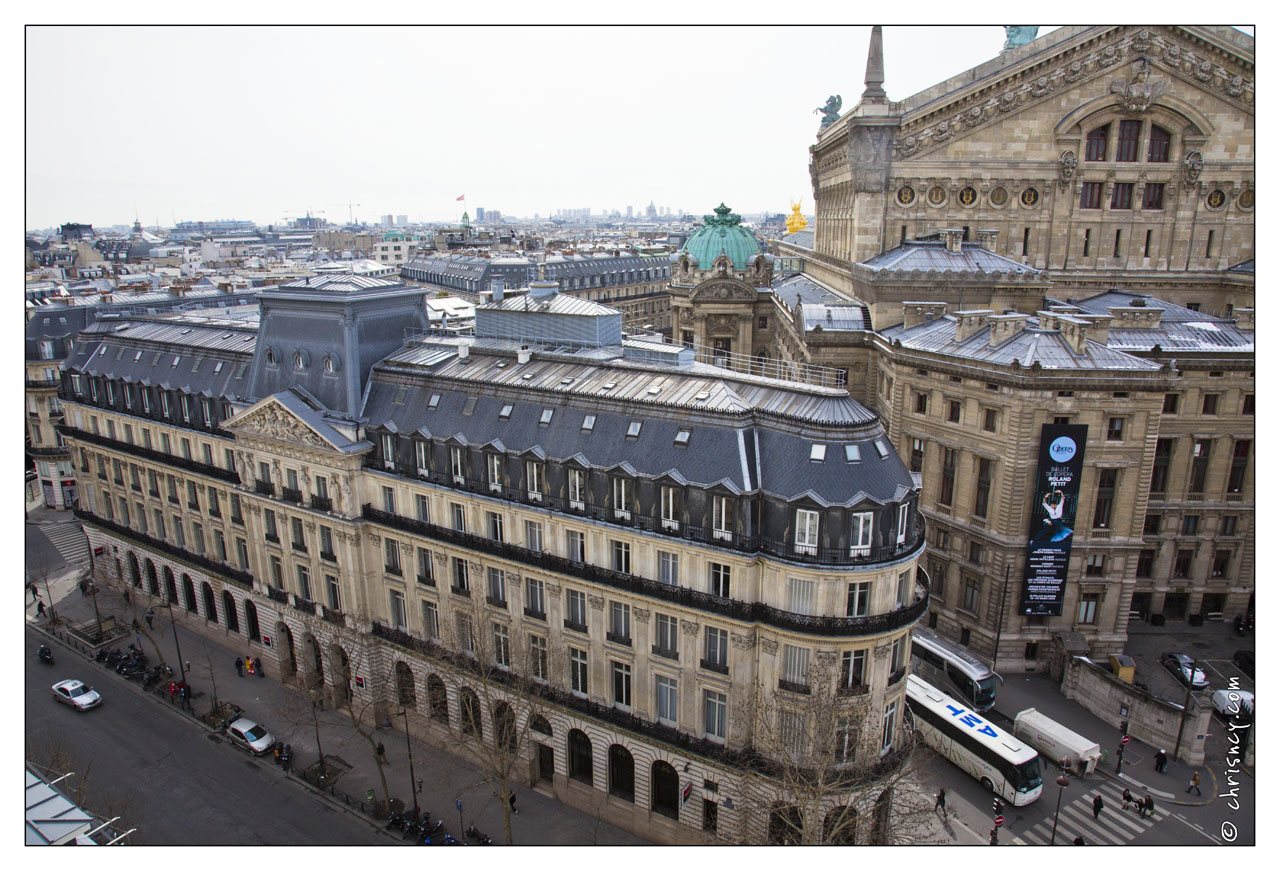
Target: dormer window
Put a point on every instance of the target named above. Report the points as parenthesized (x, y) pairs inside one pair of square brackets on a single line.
[(176, 359)]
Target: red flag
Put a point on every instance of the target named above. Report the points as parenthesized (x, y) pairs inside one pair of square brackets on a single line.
[(461, 198)]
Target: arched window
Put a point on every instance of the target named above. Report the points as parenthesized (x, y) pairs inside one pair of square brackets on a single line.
[(1158, 146), (840, 827), (664, 788), (229, 611), (579, 756), (538, 723), (438, 697), (405, 691), (188, 593), (1095, 146), (210, 606), (152, 587), (504, 727), (134, 574), (622, 773), (251, 621), (786, 826), (470, 708)]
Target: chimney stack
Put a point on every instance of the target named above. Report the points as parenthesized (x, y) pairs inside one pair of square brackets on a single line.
[(953, 239), (1005, 327), (987, 239), (1244, 318), (970, 322), (1099, 327), (916, 313)]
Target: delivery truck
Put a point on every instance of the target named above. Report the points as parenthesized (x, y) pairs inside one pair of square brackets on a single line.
[(1056, 742)]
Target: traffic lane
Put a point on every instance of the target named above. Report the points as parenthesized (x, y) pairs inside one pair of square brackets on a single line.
[(41, 556), (972, 802), (174, 782)]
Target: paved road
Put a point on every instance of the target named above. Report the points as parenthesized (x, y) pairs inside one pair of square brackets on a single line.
[(167, 776)]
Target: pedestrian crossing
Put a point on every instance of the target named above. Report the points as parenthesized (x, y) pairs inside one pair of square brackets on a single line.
[(69, 540), (1113, 826)]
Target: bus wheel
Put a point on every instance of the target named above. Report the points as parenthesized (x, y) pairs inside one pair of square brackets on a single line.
[(987, 784)]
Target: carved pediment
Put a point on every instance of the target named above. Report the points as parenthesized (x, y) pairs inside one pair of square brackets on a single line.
[(273, 421), (728, 289)]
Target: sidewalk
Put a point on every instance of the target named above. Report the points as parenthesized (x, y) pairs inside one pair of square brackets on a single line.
[(287, 714), (1038, 691)]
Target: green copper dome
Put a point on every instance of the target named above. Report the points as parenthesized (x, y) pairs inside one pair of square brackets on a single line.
[(722, 231)]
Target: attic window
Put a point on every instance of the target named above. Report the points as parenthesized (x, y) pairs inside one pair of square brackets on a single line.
[(156, 359), (227, 335), (633, 429), (924, 372), (589, 423), (502, 365), (526, 376), (701, 397), (137, 357), (956, 379), (995, 387), (609, 385), (818, 454), (470, 407), (852, 454), (217, 367), (881, 448), (654, 390), (176, 359), (682, 437), (184, 332), (546, 416), (195, 365), (249, 338), (400, 395), (566, 381), (505, 413), (120, 354), (434, 400), (102, 351)]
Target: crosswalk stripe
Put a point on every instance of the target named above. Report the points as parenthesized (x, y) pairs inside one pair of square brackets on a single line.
[(1113, 826), (1083, 820)]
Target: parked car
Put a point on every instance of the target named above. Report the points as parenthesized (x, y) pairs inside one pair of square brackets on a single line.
[(1233, 703), (1181, 664), (1244, 661), (76, 694), (251, 736)]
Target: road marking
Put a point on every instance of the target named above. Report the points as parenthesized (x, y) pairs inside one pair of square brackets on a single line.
[(1186, 821), (1113, 826)]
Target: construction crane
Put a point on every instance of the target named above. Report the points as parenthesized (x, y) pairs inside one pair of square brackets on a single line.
[(350, 212), (293, 213)]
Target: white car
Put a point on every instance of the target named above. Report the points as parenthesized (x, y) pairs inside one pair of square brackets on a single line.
[(76, 694), (1232, 703), (251, 736)]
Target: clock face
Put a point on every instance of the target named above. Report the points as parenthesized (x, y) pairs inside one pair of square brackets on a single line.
[(968, 196), (1245, 200), (906, 196), (1030, 197), (1216, 199), (937, 195), (999, 197)]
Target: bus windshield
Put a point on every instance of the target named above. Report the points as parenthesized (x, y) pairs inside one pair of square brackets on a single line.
[(986, 690), (1027, 775)]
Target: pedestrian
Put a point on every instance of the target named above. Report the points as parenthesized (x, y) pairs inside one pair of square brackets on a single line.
[(1194, 783), (382, 753), (187, 663), (248, 664), (136, 625), (173, 691), (39, 608), (262, 672), (35, 593), (83, 587), (239, 667), (286, 761), (127, 600), (185, 696), (1079, 841), (511, 800), (1148, 807), (1126, 799), (1162, 761), (151, 615), (1119, 758), (1097, 806), (940, 801)]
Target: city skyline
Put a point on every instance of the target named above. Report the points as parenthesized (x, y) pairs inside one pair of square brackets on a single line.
[(622, 136)]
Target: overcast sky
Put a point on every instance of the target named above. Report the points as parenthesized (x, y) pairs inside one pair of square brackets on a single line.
[(265, 123)]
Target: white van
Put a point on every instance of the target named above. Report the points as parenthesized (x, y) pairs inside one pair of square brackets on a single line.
[(1056, 742)]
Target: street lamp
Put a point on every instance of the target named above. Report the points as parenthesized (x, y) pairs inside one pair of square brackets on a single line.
[(413, 783), (1063, 783), (182, 672)]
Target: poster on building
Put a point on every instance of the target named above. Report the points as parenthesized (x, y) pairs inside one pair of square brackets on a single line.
[(1053, 518)]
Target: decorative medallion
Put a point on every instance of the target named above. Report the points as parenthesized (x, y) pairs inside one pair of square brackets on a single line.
[(1216, 199), (1030, 197), (937, 195), (999, 197), (906, 196), (1066, 165), (968, 196), (1245, 200)]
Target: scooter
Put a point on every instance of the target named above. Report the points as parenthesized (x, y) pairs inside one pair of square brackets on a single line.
[(45, 655), (474, 834), (1239, 624)]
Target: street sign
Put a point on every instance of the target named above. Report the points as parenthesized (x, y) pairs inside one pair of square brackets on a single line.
[(458, 804), (1124, 740), (1000, 821)]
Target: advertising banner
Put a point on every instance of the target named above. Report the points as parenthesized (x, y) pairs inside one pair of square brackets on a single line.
[(1053, 518)]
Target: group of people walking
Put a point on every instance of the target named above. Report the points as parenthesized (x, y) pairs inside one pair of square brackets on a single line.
[(251, 665)]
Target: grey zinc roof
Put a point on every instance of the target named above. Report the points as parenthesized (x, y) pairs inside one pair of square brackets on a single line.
[(848, 316), (111, 352), (1180, 329), (801, 239), (805, 289), (1244, 266), (1029, 346), (557, 303), (931, 255)]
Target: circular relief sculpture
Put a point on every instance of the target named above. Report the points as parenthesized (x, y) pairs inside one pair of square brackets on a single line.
[(968, 196), (1030, 197), (1245, 200), (1216, 199), (906, 196), (937, 195), (999, 197)]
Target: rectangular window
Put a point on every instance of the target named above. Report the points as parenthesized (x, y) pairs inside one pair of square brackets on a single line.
[(795, 665), (721, 518), (989, 419), (665, 636), (621, 499), (456, 466), (1239, 466), (576, 609), (268, 520), (422, 454), (890, 727), (533, 535), (333, 592), (533, 480), (430, 620), (426, 568), (853, 669), (1087, 612), (670, 501), (493, 471), (718, 576), (1190, 524), (1122, 195), (462, 626), (578, 671), (1146, 562), (422, 507), (1182, 564), (806, 532), (538, 657), (982, 490), (972, 589), (1107, 479), (621, 685), (458, 515), (496, 527), (534, 598), (1200, 451), (620, 622), (1221, 563), (1115, 429), (1095, 565), (715, 710), (461, 576), (621, 552), (497, 587), (860, 537), (668, 568), (575, 546), (304, 582), (397, 615), (391, 550), (242, 554), (1210, 404), (1227, 526), (922, 403), (799, 596), (1153, 196), (716, 649), (277, 573), (948, 483), (1160, 465), (1127, 141), (668, 701), (326, 544), (501, 646), (1090, 198), (577, 489), (388, 500), (858, 600), (917, 455), (953, 411)]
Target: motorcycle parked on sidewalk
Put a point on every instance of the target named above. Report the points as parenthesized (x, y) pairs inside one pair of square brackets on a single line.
[(45, 655), (474, 834)]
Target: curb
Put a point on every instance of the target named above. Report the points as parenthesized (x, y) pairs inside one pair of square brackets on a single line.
[(1169, 796), (328, 799)]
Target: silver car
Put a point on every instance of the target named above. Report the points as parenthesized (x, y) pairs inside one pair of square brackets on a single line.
[(251, 736), (1181, 664), (76, 694)]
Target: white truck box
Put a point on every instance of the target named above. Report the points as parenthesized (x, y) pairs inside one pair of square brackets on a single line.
[(1056, 742)]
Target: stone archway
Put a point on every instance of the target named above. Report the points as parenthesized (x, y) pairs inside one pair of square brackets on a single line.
[(312, 662), (188, 594), (251, 621), (229, 613), (340, 667), (284, 642), (622, 773), (469, 707), (580, 763), (135, 574), (406, 693), (438, 698), (153, 587), (664, 789), (210, 602)]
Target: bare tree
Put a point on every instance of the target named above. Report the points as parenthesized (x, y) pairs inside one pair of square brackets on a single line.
[(818, 774)]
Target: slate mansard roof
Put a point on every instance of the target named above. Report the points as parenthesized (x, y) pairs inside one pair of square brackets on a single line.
[(746, 434)]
